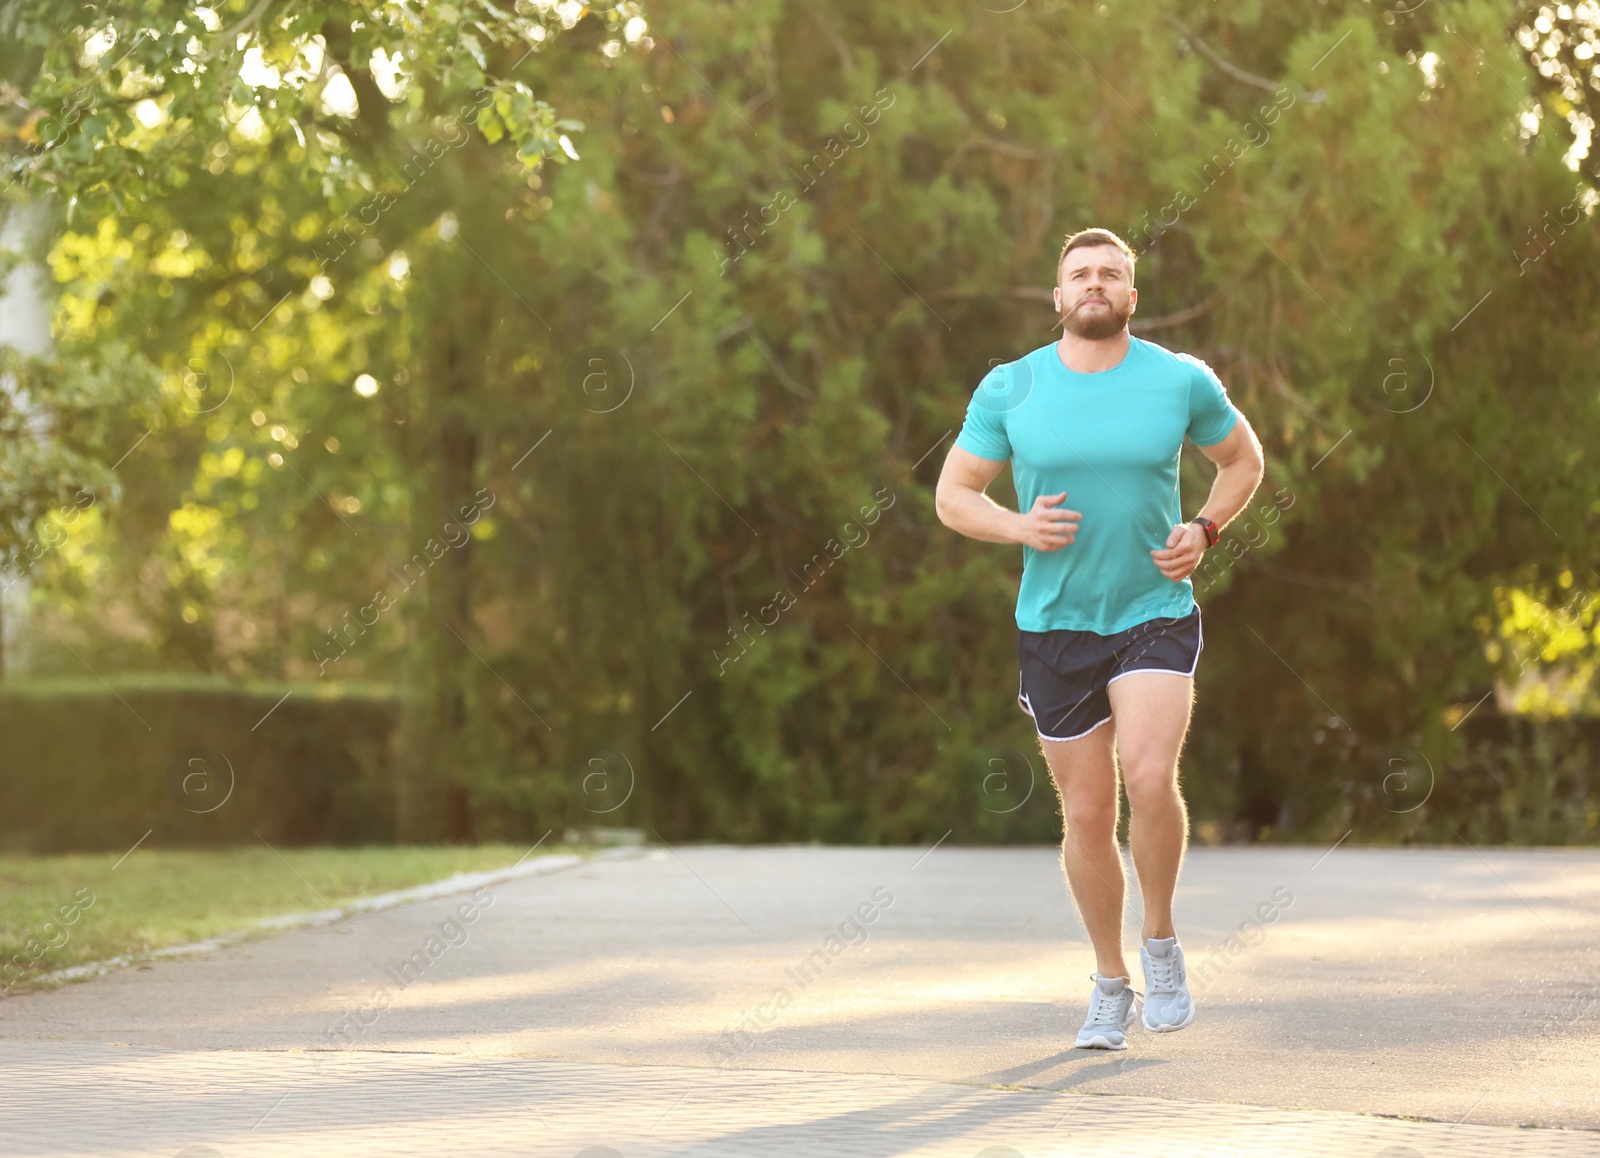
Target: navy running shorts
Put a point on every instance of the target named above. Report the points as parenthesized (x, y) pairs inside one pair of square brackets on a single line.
[(1065, 674)]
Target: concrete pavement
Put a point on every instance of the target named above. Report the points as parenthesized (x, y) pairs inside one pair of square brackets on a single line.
[(856, 1001), (97, 1101)]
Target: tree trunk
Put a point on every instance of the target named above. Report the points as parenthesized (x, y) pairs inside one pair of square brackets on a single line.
[(458, 456), (450, 446)]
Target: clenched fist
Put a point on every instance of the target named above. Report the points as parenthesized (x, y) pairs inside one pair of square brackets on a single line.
[(1049, 526), (1185, 544)]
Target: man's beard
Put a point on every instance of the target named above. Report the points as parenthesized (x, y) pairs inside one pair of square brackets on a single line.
[(1098, 326)]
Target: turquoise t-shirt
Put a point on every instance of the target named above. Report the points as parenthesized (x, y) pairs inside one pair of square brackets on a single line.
[(1110, 440)]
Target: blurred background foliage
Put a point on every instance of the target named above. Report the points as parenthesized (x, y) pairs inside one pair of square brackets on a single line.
[(580, 374)]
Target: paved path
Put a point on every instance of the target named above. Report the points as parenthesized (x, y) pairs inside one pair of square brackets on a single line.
[(107, 1102), (691, 1002)]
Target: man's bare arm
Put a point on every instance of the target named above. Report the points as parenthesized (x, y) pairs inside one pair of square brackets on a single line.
[(1240, 466), (963, 506)]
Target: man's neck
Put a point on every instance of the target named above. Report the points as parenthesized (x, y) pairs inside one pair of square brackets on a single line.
[(1091, 357)]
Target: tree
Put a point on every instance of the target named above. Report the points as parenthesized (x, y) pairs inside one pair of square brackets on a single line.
[(249, 178), (692, 374)]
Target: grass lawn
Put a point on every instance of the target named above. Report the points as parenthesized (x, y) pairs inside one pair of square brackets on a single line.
[(58, 911)]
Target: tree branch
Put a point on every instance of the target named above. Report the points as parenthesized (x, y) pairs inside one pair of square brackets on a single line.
[(1238, 73), (846, 60), (1181, 317), (1005, 149), (229, 36), (747, 324)]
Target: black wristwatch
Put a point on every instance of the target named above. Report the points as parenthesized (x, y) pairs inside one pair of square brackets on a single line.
[(1210, 528)]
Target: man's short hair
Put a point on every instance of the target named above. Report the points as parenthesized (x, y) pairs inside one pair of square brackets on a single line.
[(1087, 237)]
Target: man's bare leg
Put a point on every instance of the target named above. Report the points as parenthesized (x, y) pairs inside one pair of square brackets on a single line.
[(1085, 775), (1150, 712)]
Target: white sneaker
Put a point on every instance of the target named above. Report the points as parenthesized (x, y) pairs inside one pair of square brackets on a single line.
[(1110, 1013), (1168, 1006)]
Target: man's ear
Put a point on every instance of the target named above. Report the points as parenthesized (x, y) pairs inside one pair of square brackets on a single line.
[(1133, 301)]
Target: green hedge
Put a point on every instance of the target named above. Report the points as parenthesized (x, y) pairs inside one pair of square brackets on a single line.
[(92, 766)]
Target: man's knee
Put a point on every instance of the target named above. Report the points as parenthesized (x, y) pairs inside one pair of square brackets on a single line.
[(1150, 789), (1092, 818)]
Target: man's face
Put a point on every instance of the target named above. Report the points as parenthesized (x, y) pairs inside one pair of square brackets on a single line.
[(1095, 296)]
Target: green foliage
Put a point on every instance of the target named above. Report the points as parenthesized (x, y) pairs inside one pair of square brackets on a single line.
[(59, 417), (91, 766), (685, 352), (1517, 782)]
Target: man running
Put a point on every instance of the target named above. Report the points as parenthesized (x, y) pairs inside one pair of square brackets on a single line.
[(1108, 629)]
